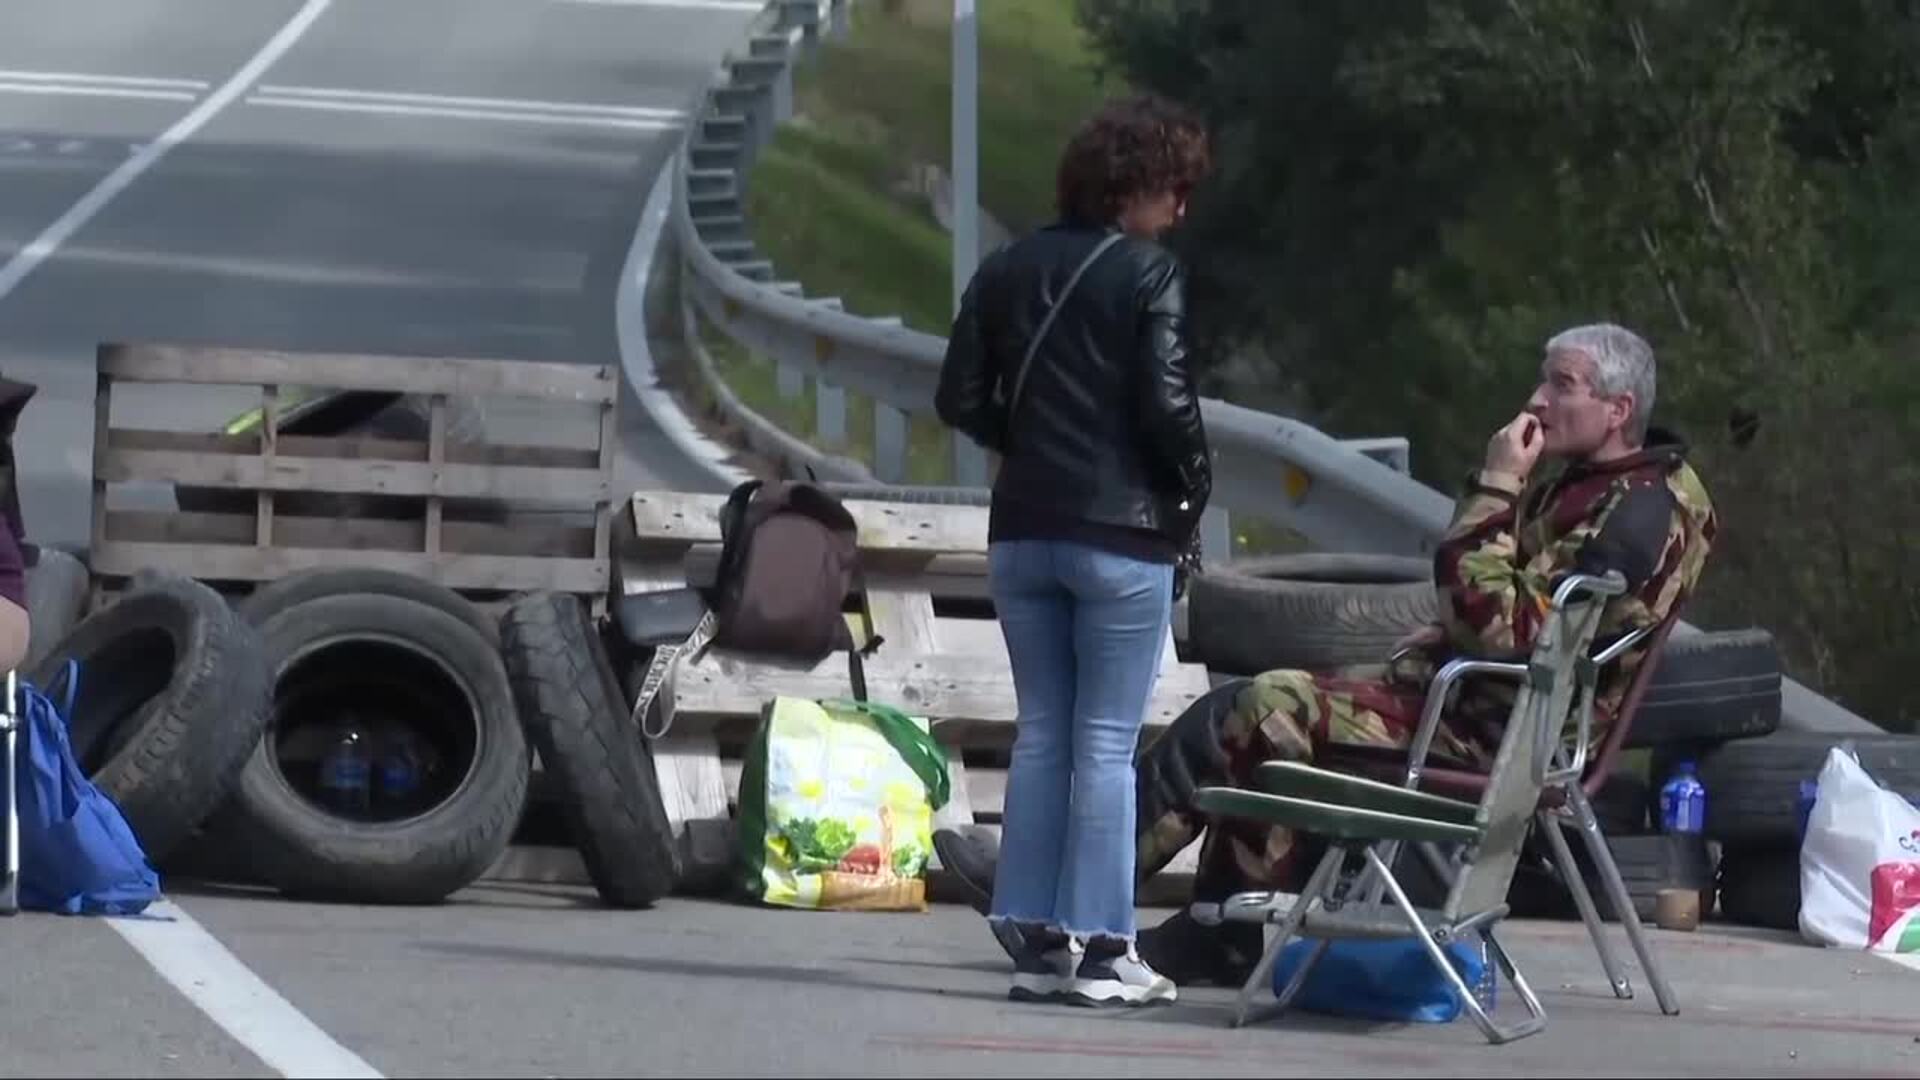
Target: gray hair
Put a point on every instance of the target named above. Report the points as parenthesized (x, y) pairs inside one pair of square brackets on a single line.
[(1622, 364)]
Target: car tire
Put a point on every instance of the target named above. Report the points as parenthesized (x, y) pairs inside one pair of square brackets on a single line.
[(310, 852), (172, 697), (1317, 612), (600, 766)]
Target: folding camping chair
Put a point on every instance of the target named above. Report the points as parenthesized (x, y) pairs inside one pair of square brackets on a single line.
[(9, 754), (1566, 802), (1372, 819)]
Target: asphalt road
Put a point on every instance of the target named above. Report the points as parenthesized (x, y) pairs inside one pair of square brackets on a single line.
[(540, 981), (485, 213)]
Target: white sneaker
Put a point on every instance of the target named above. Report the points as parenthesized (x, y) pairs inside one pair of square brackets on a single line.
[(1108, 976), (1042, 971)]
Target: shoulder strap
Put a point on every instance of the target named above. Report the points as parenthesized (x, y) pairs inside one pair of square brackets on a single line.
[(733, 518), (1046, 324)]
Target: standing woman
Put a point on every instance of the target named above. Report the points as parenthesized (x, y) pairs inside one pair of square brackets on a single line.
[(1069, 360)]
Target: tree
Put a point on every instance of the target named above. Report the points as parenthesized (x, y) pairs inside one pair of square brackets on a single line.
[(1412, 197)]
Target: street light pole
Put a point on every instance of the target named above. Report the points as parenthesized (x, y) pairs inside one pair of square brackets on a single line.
[(966, 146)]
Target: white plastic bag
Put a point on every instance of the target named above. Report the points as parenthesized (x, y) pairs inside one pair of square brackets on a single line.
[(1860, 863)]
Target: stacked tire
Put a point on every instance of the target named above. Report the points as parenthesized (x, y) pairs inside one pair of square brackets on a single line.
[(379, 655), (169, 695), (1754, 812), (218, 731)]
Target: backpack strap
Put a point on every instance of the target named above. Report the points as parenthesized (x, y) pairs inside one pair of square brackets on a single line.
[(1046, 324), (733, 520)]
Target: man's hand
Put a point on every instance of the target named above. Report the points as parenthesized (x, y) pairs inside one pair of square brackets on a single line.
[(1426, 637), (1515, 448)]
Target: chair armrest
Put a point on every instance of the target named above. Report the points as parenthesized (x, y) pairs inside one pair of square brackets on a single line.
[(1437, 693), (1297, 781), (1349, 823)]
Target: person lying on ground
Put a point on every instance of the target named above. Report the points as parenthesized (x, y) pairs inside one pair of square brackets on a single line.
[(1617, 496)]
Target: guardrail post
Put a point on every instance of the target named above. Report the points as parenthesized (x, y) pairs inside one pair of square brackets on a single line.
[(969, 462), (790, 379), (782, 91), (830, 414), (889, 444)]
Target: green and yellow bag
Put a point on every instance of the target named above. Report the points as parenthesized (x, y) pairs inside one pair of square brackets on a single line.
[(836, 806)]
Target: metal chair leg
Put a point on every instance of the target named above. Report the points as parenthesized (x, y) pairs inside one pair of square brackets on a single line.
[(1622, 902), (1550, 824), (1536, 1020), (9, 736), (1244, 1011)]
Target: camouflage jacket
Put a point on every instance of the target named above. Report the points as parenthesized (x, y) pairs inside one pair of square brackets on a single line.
[(1646, 515)]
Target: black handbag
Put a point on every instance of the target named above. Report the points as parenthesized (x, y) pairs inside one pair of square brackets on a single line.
[(672, 623)]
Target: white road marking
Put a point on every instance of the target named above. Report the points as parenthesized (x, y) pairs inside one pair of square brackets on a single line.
[(36, 252), (9, 87), (232, 996), (558, 108), (84, 79), (399, 109)]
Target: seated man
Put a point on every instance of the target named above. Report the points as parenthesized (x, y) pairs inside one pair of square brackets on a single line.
[(1621, 498)]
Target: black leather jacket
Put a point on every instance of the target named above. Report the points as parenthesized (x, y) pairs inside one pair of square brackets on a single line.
[(1108, 430)]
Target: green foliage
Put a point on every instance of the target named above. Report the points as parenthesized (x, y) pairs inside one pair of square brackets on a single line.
[(1412, 197)]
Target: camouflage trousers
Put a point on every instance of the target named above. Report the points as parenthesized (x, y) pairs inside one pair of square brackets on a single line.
[(1221, 739)]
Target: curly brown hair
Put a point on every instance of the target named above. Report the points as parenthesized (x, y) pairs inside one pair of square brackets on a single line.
[(1134, 146)]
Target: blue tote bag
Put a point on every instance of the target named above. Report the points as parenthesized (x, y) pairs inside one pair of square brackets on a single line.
[(78, 855)]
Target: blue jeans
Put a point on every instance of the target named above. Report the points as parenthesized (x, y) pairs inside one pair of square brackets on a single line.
[(1084, 631)]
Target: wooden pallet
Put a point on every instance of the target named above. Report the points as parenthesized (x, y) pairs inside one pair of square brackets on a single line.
[(943, 660), (548, 508)]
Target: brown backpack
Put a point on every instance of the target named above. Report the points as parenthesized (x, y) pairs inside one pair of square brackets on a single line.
[(789, 556)]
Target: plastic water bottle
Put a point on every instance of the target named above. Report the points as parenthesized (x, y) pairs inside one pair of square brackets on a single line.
[(346, 775), (1486, 990), (1809, 794), (1683, 802), (399, 769)]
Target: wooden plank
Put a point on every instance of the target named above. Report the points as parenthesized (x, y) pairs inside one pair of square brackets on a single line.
[(102, 423), (269, 446), (942, 688), (904, 620), (947, 576), (690, 518), (609, 442), (121, 557), (499, 482), (348, 371), (528, 538), (436, 457), (354, 448)]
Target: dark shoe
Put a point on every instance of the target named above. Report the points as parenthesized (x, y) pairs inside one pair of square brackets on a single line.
[(1112, 973), (1043, 960), (1192, 954), (970, 854)]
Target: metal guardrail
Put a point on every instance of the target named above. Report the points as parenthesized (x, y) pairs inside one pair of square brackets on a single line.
[(1352, 495)]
